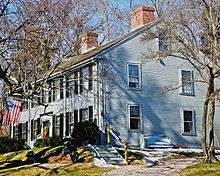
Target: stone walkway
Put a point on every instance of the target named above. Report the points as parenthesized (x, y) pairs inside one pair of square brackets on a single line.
[(164, 168)]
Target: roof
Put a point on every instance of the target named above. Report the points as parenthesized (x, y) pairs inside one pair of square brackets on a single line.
[(71, 62)]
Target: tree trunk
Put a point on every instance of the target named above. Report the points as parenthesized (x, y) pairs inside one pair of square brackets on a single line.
[(208, 117), (204, 127)]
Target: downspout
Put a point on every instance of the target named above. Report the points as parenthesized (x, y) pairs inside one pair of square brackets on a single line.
[(29, 123), (64, 106), (98, 94)]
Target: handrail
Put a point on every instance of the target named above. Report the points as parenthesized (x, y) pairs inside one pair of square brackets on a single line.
[(118, 138)]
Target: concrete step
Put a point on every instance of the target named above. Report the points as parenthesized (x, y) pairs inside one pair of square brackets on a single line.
[(109, 154)]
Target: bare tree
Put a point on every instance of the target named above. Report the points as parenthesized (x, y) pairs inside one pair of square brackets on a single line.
[(42, 33)]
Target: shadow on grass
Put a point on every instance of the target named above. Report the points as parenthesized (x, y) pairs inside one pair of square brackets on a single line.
[(18, 163)]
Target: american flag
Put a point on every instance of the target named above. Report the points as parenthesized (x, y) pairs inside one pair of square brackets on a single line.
[(11, 111)]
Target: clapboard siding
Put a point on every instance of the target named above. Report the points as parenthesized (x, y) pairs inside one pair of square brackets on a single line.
[(161, 112)]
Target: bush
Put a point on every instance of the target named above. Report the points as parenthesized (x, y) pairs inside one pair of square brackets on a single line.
[(49, 142), (85, 133), (10, 145)]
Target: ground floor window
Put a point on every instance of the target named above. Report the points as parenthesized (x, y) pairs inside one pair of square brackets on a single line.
[(24, 131), (69, 123), (58, 125), (17, 131), (188, 122), (37, 128), (134, 117)]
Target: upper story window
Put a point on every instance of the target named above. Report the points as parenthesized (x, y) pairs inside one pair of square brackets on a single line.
[(134, 76), (188, 122), (134, 117), (81, 82), (54, 91), (187, 81), (218, 99), (162, 41)]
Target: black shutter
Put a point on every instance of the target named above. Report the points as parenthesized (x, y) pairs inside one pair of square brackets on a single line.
[(76, 86), (20, 131), (80, 115), (53, 125), (32, 129), (67, 123), (26, 126), (75, 116), (38, 126), (90, 113), (61, 124)]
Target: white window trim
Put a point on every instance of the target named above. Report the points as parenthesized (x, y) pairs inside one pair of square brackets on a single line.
[(180, 82), (140, 75), (193, 133), (128, 115)]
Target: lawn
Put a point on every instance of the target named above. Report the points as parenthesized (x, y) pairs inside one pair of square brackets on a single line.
[(53, 167), (82, 169), (202, 169)]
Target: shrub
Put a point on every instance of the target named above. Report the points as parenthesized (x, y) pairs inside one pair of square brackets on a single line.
[(50, 141), (85, 133), (10, 145)]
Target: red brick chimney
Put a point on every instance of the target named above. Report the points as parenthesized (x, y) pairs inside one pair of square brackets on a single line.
[(141, 16), (89, 41)]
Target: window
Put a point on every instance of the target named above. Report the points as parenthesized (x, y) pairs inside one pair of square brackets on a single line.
[(76, 85), (134, 76), (18, 131), (24, 131), (134, 117), (188, 122), (61, 88), (81, 84), (218, 97), (83, 114), (54, 91), (58, 125), (90, 83), (162, 41), (70, 125), (187, 82), (37, 128)]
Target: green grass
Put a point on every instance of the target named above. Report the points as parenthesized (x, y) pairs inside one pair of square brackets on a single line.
[(85, 168), (202, 169), (19, 155)]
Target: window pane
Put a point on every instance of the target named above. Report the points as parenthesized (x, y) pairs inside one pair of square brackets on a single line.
[(133, 70), (186, 76), (187, 115), (188, 127), (134, 124), (134, 111), (187, 82)]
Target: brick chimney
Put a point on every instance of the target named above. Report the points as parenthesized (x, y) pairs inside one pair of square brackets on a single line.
[(141, 16), (89, 41)]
